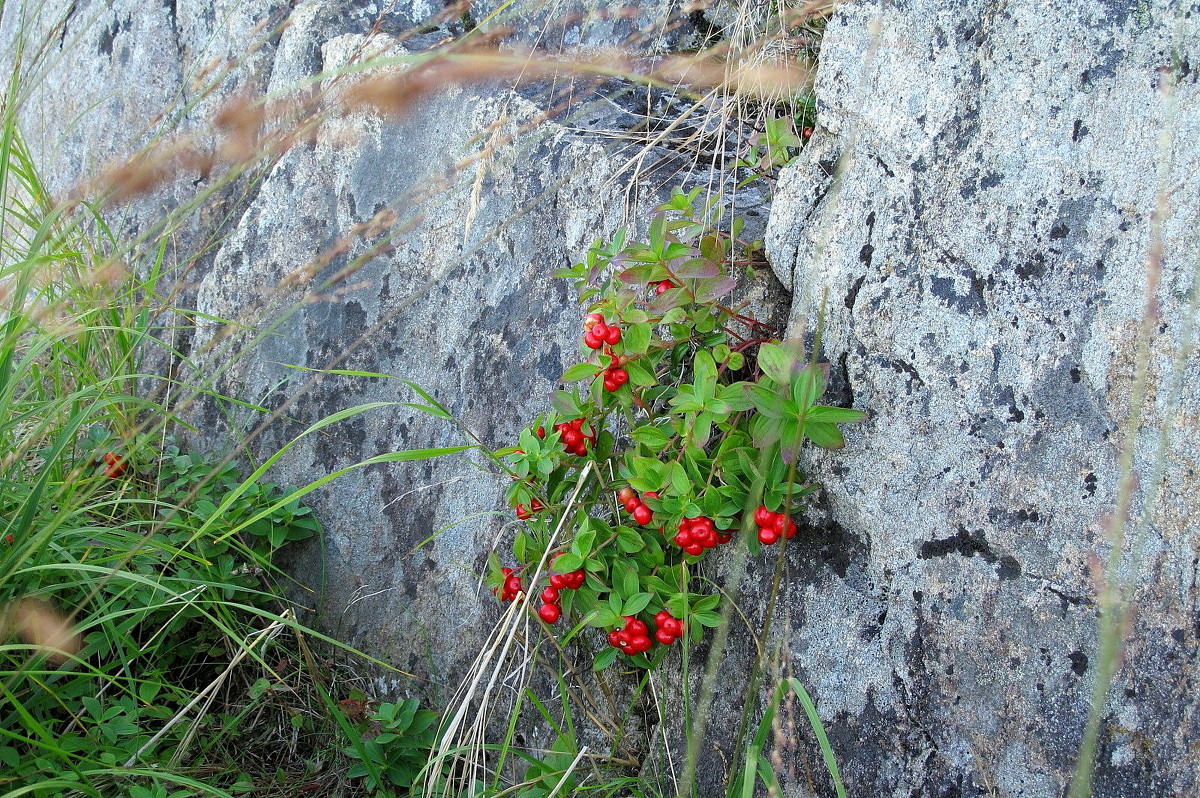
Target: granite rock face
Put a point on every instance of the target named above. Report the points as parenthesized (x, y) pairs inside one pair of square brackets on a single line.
[(984, 252), (979, 208)]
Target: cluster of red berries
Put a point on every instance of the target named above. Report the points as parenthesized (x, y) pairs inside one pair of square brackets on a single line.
[(551, 611), (511, 587), (597, 333), (633, 639), (635, 506), (114, 465), (574, 440), (697, 534), (670, 628), (773, 525), (614, 375), (535, 506)]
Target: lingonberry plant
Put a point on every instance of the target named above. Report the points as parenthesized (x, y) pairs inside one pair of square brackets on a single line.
[(692, 414)]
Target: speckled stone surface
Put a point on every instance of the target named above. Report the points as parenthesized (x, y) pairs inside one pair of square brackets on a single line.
[(983, 258)]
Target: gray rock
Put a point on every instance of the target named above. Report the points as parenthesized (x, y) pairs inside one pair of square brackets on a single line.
[(984, 253)]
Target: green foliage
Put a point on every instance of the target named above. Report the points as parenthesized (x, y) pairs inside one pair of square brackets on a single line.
[(707, 426), (780, 141), (391, 748)]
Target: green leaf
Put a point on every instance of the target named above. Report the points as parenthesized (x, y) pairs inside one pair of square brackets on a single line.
[(603, 617), (809, 386), (736, 396), (581, 371), (655, 438), (625, 578), (778, 363), (707, 618), (834, 415), (568, 562), (629, 541), (824, 434), (585, 540), (766, 399), (636, 603), (636, 339), (605, 658), (705, 373), (679, 480), (640, 373)]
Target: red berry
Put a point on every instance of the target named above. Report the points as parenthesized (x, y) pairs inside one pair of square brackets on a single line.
[(695, 548), (549, 613), (541, 432), (650, 495), (599, 330), (114, 465), (609, 385), (632, 503), (664, 638), (684, 538), (619, 376), (625, 494), (806, 134), (592, 342), (612, 335), (559, 581), (522, 513), (635, 626), (672, 626), (768, 536), (782, 525), (576, 423), (640, 644), (9, 540), (615, 637), (663, 286), (642, 514), (763, 516), (576, 579), (550, 595), (661, 616)]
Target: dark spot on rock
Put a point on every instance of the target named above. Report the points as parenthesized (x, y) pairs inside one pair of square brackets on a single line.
[(107, 36), (852, 294), (1079, 130), (549, 365), (1079, 662), (864, 255), (990, 180), (1008, 568), (900, 367), (1076, 374), (971, 544), (1177, 635), (1034, 268), (1089, 484), (1059, 231)]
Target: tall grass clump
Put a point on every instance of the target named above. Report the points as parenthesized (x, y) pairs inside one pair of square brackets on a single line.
[(145, 648)]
